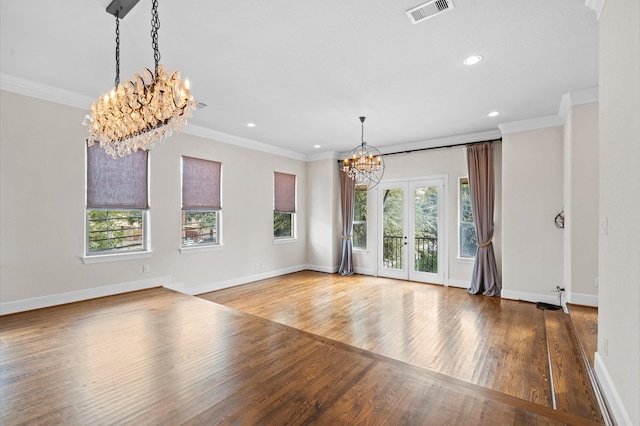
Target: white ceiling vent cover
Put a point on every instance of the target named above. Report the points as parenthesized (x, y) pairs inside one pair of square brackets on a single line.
[(429, 10)]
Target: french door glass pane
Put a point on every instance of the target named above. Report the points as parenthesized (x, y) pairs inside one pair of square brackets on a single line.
[(392, 228), (426, 229)]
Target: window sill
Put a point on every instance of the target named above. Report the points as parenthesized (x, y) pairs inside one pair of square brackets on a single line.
[(360, 252), (115, 257), (466, 259), (285, 240), (200, 249)]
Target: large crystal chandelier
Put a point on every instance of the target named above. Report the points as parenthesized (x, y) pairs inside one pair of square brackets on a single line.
[(364, 165), (139, 113)]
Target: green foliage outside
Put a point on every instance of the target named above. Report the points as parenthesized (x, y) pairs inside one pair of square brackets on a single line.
[(426, 228), (360, 220), (468, 238), (115, 230), (426, 217), (282, 225), (199, 227)]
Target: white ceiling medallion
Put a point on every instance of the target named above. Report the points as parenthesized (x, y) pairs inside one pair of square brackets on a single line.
[(429, 10)]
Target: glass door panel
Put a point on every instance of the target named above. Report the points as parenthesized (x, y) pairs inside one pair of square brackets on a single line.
[(393, 231), (410, 242), (426, 225)]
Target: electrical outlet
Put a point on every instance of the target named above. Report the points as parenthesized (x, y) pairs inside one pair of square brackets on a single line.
[(597, 282), (606, 346), (145, 268)]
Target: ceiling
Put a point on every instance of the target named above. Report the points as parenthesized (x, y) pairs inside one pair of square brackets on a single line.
[(304, 70)]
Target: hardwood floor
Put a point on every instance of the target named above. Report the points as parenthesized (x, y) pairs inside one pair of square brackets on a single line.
[(160, 357), (585, 323), (491, 342)]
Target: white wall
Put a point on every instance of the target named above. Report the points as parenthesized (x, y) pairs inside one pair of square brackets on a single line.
[(618, 356), (42, 212), (581, 204), (418, 164), (322, 209), (532, 194)]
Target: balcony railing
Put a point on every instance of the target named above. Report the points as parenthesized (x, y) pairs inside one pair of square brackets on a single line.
[(425, 250)]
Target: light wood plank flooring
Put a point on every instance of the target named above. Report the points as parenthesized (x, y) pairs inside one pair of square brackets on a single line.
[(160, 357)]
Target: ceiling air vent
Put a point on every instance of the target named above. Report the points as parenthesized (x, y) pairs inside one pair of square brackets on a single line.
[(429, 10)]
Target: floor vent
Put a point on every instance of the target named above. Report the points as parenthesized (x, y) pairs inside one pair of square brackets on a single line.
[(429, 10)]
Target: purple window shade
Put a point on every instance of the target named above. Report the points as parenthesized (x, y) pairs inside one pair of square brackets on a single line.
[(284, 192), (200, 184), (119, 183)]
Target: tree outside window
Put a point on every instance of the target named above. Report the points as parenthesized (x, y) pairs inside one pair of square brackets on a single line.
[(468, 239), (359, 233)]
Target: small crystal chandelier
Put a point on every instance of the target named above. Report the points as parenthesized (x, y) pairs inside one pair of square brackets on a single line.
[(364, 165), (139, 113)]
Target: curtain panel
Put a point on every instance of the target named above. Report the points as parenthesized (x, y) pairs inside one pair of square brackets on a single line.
[(480, 165), (347, 199)]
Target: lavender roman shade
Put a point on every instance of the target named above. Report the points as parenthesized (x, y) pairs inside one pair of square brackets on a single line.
[(119, 183), (200, 184), (284, 197)]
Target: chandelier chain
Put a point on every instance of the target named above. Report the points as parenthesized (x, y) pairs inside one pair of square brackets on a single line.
[(117, 49), (155, 26)]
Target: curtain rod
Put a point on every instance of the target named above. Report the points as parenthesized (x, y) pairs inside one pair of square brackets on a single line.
[(439, 147)]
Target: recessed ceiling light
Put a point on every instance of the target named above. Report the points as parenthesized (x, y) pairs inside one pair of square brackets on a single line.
[(316, 146), (494, 114), (251, 124), (472, 60)]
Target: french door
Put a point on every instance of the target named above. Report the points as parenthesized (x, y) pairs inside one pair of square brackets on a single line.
[(411, 230)]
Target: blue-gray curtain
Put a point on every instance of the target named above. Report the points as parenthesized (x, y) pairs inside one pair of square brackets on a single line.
[(347, 198), (480, 164)]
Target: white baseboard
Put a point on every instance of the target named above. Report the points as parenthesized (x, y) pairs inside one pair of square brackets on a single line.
[(206, 288), (458, 283), (583, 299), (618, 412), (319, 268), (79, 295), (530, 297), (179, 287), (364, 271)]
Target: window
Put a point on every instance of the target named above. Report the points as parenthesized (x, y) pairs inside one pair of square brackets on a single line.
[(468, 240), (201, 202), (360, 220), (284, 205), (117, 202)]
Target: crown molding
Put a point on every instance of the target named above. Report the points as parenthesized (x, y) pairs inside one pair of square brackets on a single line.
[(30, 88), (530, 124), (596, 5), (328, 155), (572, 99), (567, 101), (242, 142)]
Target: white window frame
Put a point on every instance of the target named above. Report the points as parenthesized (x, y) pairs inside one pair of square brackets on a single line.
[(114, 256), (294, 227)]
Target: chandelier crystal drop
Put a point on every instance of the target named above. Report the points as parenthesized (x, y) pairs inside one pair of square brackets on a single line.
[(364, 165), (140, 113)]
